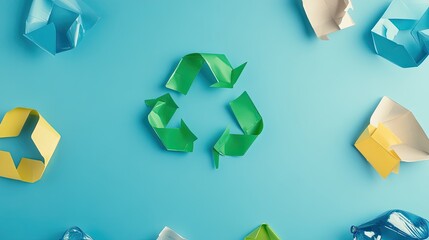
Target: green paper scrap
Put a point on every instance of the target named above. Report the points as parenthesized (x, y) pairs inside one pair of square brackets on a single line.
[(250, 122), (191, 64), (263, 232), (174, 139)]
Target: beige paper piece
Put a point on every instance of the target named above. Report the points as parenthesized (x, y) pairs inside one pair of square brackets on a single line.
[(393, 135), (400, 121), (168, 234), (328, 16)]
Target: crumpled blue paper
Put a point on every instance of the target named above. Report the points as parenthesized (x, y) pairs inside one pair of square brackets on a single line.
[(393, 225), (75, 233), (402, 33), (58, 25)]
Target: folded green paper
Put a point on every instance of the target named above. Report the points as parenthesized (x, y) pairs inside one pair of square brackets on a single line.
[(174, 139), (250, 122), (182, 139), (190, 65)]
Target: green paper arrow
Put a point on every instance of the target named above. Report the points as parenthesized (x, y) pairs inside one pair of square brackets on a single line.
[(263, 232), (174, 139), (190, 65), (250, 122)]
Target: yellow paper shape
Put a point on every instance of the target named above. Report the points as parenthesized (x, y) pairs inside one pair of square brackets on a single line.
[(374, 144), (44, 137)]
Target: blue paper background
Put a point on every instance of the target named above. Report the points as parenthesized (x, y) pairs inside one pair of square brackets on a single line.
[(110, 175)]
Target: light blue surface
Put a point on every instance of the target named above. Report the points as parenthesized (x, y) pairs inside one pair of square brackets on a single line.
[(110, 175)]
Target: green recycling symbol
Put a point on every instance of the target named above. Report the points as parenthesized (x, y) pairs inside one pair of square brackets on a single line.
[(182, 139)]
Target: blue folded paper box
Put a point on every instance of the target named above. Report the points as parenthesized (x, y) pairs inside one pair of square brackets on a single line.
[(402, 33)]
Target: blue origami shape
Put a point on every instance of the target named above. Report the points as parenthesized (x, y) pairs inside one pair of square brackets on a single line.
[(75, 233), (58, 25), (402, 33), (393, 225)]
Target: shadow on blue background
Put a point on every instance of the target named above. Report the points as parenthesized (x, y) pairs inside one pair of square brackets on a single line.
[(300, 12)]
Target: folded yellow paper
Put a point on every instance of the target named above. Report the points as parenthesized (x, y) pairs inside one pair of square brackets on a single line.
[(374, 144), (44, 137), (393, 136)]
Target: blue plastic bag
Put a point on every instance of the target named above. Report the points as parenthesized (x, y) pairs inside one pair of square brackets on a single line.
[(75, 233), (393, 225)]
